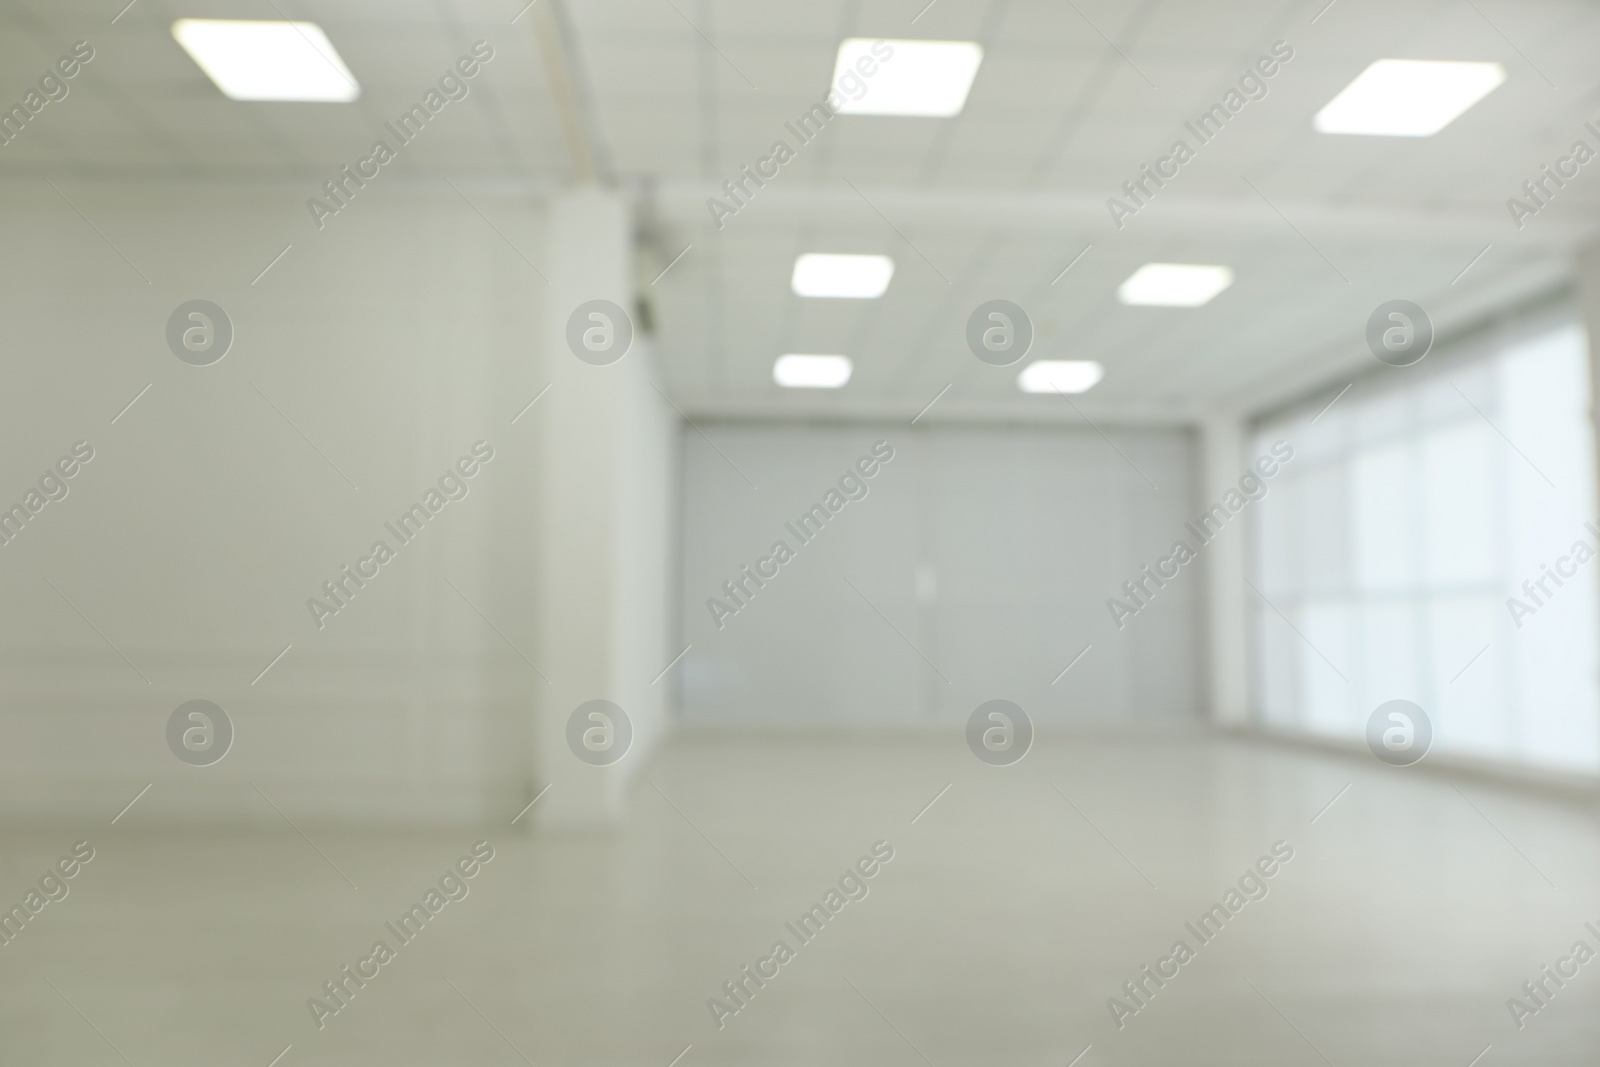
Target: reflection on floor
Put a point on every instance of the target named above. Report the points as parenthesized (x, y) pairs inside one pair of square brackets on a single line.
[(1014, 908)]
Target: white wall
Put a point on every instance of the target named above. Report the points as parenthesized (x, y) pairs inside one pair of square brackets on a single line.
[(394, 338), (1019, 536)]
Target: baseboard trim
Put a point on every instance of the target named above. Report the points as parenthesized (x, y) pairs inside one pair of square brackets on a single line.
[(1575, 788)]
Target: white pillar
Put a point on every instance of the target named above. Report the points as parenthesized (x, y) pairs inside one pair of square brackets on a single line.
[(1227, 616), (607, 447), (1588, 270)]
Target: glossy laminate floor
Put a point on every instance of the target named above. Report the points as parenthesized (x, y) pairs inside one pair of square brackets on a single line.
[(1014, 909)]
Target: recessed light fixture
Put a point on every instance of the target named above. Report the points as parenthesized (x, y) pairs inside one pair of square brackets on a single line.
[(1174, 285), (826, 274), (811, 372), (267, 60), (1408, 97), (1060, 376), (917, 77)]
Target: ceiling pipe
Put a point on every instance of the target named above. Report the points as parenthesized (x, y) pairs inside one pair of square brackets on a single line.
[(550, 31)]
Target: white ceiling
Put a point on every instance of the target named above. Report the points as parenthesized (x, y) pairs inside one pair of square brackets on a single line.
[(675, 95)]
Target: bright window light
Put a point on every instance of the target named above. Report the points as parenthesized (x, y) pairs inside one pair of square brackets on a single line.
[(811, 372), (267, 60), (918, 78), (1060, 376), (1408, 97), (859, 277), (1174, 285)]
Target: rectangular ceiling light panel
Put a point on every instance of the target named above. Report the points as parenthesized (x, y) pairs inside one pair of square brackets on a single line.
[(1060, 376), (811, 372), (1408, 97), (1177, 285), (847, 276), (928, 78), (268, 60)]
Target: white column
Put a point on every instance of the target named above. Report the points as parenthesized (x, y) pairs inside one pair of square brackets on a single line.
[(1227, 614), (1588, 271), (607, 446)]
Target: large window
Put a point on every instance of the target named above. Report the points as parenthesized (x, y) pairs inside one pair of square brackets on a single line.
[(1390, 559)]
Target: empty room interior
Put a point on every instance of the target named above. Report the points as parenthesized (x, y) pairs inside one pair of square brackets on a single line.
[(695, 533)]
